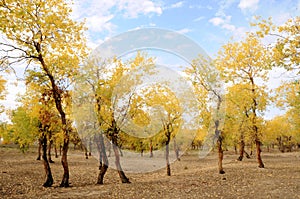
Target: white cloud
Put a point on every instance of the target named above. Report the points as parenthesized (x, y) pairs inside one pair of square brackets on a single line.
[(248, 5), (225, 23), (132, 9), (199, 18), (184, 30), (229, 27), (99, 23), (99, 14), (216, 21), (177, 5), (223, 5)]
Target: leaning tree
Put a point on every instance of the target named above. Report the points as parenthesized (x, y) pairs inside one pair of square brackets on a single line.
[(42, 36)]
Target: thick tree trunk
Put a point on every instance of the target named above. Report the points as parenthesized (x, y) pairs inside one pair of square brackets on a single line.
[(49, 178), (102, 159), (258, 152)]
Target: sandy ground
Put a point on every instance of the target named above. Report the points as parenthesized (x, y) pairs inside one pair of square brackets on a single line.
[(21, 176)]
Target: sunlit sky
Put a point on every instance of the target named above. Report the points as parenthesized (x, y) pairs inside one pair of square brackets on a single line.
[(209, 23)]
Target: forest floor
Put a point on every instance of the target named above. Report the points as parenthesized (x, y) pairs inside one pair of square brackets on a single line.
[(21, 176)]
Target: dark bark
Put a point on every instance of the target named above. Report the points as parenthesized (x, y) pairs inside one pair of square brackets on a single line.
[(255, 127), (167, 159), (121, 173), (39, 149), (242, 149), (60, 149), (151, 149), (142, 149), (49, 150), (57, 96), (64, 162), (114, 137), (55, 151), (103, 160), (258, 154), (85, 151), (49, 178), (90, 147), (220, 152)]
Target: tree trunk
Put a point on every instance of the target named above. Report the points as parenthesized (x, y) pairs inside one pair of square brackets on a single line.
[(258, 151), (102, 159), (60, 149), (122, 175), (85, 151), (176, 149), (90, 147), (39, 150), (55, 151), (220, 152), (167, 160), (49, 178), (151, 149), (242, 149), (57, 96), (64, 162), (49, 150)]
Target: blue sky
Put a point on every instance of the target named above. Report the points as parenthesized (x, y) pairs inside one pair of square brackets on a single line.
[(210, 23)]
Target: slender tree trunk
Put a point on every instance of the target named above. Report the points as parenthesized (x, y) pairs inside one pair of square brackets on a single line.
[(235, 149), (151, 149), (49, 178), (122, 175), (102, 159), (64, 162), (60, 149), (85, 151), (220, 152), (39, 149), (55, 151), (176, 149), (90, 147), (255, 127), (242, 149), (49, 150), (167, 159)]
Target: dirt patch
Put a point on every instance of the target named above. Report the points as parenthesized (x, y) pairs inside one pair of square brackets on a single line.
[(21, 176)]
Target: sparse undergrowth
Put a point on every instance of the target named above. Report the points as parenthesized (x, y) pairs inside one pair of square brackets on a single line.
[(21, 176)]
